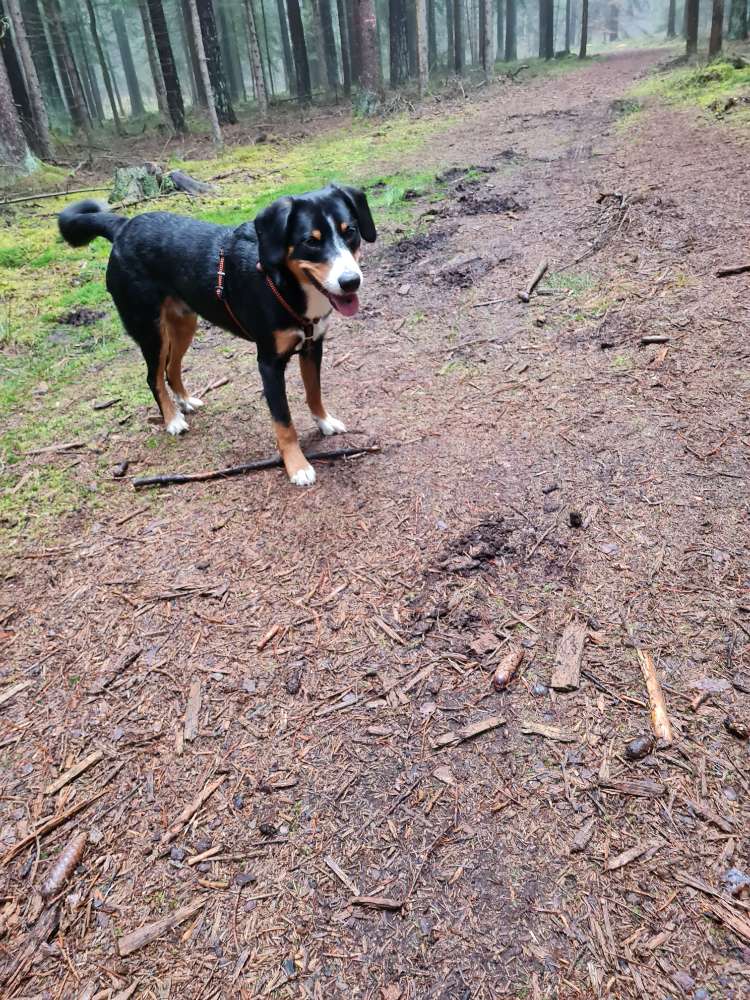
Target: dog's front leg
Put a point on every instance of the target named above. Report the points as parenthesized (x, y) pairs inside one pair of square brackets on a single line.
[(309, 363), (299, 470)]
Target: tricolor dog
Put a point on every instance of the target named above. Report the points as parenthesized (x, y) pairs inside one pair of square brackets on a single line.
[(274, 281)]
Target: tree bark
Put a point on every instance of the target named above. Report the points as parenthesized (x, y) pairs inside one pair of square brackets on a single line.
[(200, 90), (126, 55), (346, 67), (546, 29), (486, 37), (511, 31), (398, 42), (423, 59), (71, 81), (353, 33), (370, 78), (204, 74), (153, 59), (212, 50), (584, 29), (256, 66), (33, 88), (458, 36), (286, 48), (691, 26), (42, 56), (299, 48), (94, 29), (717, 27), (738, 20), (671, 18), (168, 66), (15, 155)]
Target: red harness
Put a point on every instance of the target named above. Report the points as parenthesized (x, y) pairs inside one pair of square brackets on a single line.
[(306, 325)]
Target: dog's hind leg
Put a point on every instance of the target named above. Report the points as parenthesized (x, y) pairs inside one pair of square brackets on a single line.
[(141, 316), (178, 325)]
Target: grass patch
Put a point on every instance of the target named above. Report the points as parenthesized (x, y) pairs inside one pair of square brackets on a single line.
[(707, 86), (576, 284)]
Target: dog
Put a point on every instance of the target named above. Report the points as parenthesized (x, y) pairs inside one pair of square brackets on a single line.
[(274, 281)]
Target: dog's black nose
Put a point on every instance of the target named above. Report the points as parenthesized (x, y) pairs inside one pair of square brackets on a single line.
[(349, 281)]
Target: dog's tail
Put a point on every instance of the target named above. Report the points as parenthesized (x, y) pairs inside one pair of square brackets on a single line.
[(82, 222)]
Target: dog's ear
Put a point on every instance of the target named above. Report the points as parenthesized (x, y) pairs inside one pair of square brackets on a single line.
[(271, 227), (357, 202)]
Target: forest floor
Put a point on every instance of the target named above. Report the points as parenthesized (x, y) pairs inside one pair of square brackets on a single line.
[(269, 689)]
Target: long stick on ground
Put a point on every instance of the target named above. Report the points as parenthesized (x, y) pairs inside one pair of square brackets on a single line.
[(659, 718), (540, 272), (240, 470)]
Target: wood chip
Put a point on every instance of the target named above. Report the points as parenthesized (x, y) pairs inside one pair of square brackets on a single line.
[(566, 675), (627, 857), (270, 634), (377, 902), (582, 837), (468, 732), (150, 932), (341, 874), (531, 728), (73, 772), (190, 810), (10, 692), (644, 787), (704, 813), (204, 855), (735, 921), (192, 710)]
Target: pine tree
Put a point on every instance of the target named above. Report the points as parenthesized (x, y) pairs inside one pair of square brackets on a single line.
[(299, 50), (168, 65), (126, 55), (205, 75), (38, 110), (15, 155), (256, 66)]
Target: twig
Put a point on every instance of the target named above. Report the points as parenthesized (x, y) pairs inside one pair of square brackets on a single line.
[(150, 932), (659, 718), (51, 824), (540, 272), (190, 810), (727, 272), (52, 194), (239, 470)]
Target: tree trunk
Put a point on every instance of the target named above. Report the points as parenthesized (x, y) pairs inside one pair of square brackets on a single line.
[(486, 37), (18, 90), (230, 59), (256, 66), (567, 26), (692, 8), (355, 60), (193, 71), (346, 68), (42, 56), (546, 29), (398, 42), (469, 32), (200, 90), (573, 21), (204, 74), (717, 27), (738, 19), (511, 31), (299, 48), (38, 110), (153, 59), (367, 43), (86, 74), (286, 48), (500, 29), (584, 28), (449, 32), (15, 155), (126, 55), (268, 66), (458, 36), (113, 78), (168, 66), (613, 21), (671, 18), (329, 44), (432, 55), (103, 65), (423, 59), (411, 39), (71, 81), (210, 38)]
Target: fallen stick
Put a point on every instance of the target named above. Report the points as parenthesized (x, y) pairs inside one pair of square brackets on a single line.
[(659, 719), (468, 732), (51, 824), (378, 902), (13, 690), (655, 338), (531, 728), (150, 932), (192, 711), (74, 772), (190, 810), (240, 470), (728, 272), (212, 385), (540, 272), (50, 194)]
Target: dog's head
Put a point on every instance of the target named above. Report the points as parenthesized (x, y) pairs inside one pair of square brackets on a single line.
[(317, 237)]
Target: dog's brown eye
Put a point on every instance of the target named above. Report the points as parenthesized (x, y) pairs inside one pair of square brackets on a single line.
[(313, 240)]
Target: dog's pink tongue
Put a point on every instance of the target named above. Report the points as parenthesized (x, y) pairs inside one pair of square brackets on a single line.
[(347, 305)]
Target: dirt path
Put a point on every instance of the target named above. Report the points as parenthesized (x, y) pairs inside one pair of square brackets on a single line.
[(390, 591)]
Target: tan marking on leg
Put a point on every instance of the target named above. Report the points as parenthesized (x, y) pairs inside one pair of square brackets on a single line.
[(291, 453), (311, 379), (166, 403), (182, 329), (286, 340)]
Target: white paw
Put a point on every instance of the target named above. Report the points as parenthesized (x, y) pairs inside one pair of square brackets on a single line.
[(190, 404), (177, 425), (330, 425), (304, 476)]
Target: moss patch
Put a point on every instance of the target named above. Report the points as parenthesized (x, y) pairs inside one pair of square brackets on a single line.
[(707, 86)]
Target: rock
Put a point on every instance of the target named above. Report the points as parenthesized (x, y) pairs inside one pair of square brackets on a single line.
[(244, 878), (120, 469)]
